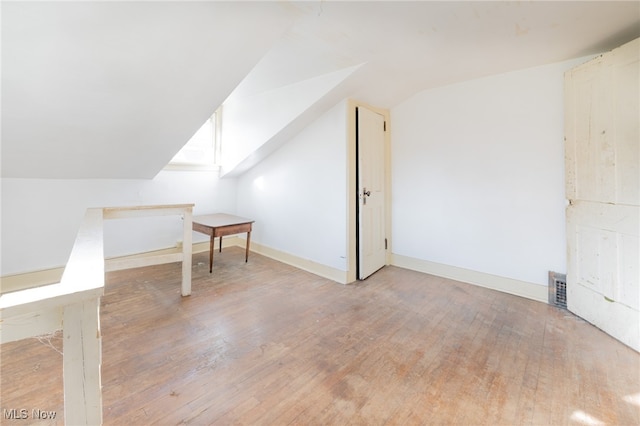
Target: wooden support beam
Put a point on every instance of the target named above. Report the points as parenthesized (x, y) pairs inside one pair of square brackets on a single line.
[(186, 251), (74, 303), (81, 363), (145, 211)]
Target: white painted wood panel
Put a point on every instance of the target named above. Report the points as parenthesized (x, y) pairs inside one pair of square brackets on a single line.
[(626, 93), (603, 187)]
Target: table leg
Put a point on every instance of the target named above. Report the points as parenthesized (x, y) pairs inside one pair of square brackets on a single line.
[(220, 244), (246, 252), (211, 249)]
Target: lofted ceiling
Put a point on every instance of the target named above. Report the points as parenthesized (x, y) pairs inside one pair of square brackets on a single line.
[(114, 89)]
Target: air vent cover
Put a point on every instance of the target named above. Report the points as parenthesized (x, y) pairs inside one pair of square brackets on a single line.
[(558, 289)]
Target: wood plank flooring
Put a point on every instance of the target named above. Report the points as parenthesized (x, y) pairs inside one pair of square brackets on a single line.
[(265, 343)]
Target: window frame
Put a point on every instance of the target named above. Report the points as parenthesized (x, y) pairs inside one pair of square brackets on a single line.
[(181, 165)]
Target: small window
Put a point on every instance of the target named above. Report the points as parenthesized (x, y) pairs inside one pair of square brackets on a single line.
[(200, 152)]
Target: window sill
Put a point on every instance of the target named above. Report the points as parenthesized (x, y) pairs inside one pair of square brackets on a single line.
[(186, 167)]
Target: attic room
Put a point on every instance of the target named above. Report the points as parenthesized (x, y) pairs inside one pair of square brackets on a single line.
[(479, 195)]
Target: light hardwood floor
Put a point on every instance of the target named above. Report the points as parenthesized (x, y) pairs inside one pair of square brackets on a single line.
[(265, 343)]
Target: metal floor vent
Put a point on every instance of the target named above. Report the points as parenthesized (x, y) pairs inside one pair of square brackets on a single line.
[(558, 289)]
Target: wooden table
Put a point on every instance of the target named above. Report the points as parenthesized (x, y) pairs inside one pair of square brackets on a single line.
[(219, 225)]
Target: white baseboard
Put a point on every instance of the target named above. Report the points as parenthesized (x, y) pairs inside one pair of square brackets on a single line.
[(281, 256), (16, 282), (495, 282), (525, 289), (305, 264)]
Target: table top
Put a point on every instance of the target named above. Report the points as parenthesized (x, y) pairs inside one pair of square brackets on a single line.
[(218, 220)]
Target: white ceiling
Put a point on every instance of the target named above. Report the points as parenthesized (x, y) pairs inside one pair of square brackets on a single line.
[(410, 46), (114, 89)]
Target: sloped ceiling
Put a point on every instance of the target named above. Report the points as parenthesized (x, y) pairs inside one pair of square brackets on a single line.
[(114, 89), (274, 117), (411, 46)]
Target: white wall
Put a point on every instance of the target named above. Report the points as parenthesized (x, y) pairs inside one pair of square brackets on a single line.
[(478, 174), (297, 195), (40, 217), (255, 126), (477, 183)]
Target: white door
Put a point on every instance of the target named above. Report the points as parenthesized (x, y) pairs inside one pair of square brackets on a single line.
[(371, 178), (603, 187)]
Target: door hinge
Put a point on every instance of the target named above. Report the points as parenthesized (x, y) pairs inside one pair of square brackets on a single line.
[(384, 126), (385, 243)]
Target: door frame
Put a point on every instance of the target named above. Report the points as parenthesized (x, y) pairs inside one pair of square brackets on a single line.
[(352, 190)]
